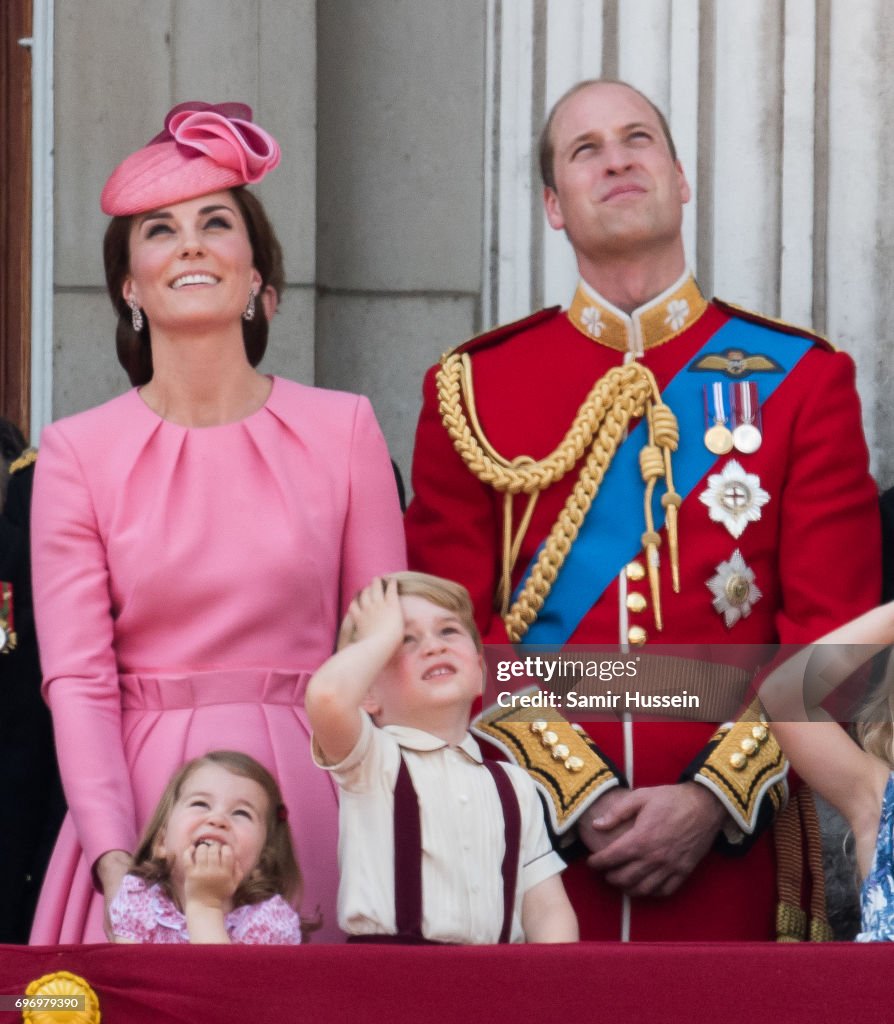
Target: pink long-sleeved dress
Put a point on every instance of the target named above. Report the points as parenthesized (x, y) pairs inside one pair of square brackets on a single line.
[(187, 582)]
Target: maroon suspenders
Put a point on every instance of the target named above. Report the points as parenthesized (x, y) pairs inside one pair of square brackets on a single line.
[(408, 852), (512, 828), (407, 856)]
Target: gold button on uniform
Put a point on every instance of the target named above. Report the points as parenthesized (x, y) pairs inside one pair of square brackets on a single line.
[(759, 732), (748, 745), (636, 571), (637, 635), (738, 760), (637, 602)]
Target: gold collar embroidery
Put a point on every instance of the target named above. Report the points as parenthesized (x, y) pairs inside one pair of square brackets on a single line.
[(652, 324)]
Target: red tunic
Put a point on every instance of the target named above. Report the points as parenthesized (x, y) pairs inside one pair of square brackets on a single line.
[(814, 552)]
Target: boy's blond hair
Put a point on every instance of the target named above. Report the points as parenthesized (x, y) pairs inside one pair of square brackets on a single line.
[(452, 597)]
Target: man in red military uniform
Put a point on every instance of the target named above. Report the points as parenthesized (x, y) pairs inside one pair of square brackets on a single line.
[(531, 489)]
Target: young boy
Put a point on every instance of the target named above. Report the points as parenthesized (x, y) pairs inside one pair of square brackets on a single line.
[(436, 845)]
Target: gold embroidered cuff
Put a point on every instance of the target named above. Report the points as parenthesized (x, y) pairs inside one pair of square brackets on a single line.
[(743, 766), (562, 760)]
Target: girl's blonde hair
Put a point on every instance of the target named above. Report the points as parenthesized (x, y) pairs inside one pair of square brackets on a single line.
[(874, 722), (277, 871)]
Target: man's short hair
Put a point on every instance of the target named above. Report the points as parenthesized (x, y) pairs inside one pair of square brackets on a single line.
[(545, 148)]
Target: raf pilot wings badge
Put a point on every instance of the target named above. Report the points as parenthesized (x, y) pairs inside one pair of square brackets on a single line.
[(735, 363)]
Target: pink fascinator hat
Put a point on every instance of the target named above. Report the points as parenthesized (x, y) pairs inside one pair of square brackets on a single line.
[(204, 148)]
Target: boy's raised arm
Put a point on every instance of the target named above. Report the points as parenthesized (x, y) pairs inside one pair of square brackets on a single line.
[(336, 691)]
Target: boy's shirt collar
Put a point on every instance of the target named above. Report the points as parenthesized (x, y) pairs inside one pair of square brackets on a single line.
[(418, 739)]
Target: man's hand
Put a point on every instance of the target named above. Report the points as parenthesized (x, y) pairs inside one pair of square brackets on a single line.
[(595, 838), (657, 836)]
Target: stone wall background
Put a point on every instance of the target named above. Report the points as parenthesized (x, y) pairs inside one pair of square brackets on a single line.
[(407, 203)]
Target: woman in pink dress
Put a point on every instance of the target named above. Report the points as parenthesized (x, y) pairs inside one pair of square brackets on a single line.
[(196, 540)]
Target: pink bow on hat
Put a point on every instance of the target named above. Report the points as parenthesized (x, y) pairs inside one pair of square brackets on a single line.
[(224, 132), (203, 148)]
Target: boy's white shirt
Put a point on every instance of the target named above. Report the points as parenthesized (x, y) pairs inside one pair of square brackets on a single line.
[(462, 836)]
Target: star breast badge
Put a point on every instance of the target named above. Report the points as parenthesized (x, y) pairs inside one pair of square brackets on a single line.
[(735, 592), (734, 498)]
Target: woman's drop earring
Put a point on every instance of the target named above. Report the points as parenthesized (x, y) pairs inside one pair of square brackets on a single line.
[(136, 315)]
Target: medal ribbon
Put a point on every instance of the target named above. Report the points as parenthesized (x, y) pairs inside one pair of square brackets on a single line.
[(6, 606), (717, 411), (745, 402), (6, 619), (610, 536)]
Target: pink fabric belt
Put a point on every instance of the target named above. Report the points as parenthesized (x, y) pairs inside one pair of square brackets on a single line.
[(216, 686)]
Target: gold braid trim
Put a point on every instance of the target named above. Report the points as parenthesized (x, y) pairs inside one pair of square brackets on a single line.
[(791, 918), (819, 929), (600, 425), (27, 458), (795, 833)]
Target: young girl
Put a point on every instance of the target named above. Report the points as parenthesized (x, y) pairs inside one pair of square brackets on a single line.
[(856, 778), (215, 863)]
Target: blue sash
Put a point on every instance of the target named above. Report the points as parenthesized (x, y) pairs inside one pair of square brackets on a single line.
[(610, 536)]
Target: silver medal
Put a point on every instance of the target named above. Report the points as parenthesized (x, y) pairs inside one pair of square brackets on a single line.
[(747, 438)]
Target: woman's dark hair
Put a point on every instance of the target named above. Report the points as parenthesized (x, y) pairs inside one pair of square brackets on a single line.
[(12, 442), (134, 351)]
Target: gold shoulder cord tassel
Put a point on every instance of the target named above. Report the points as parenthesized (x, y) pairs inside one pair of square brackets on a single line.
[(599, 427), (667, 437), (655, 463)]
